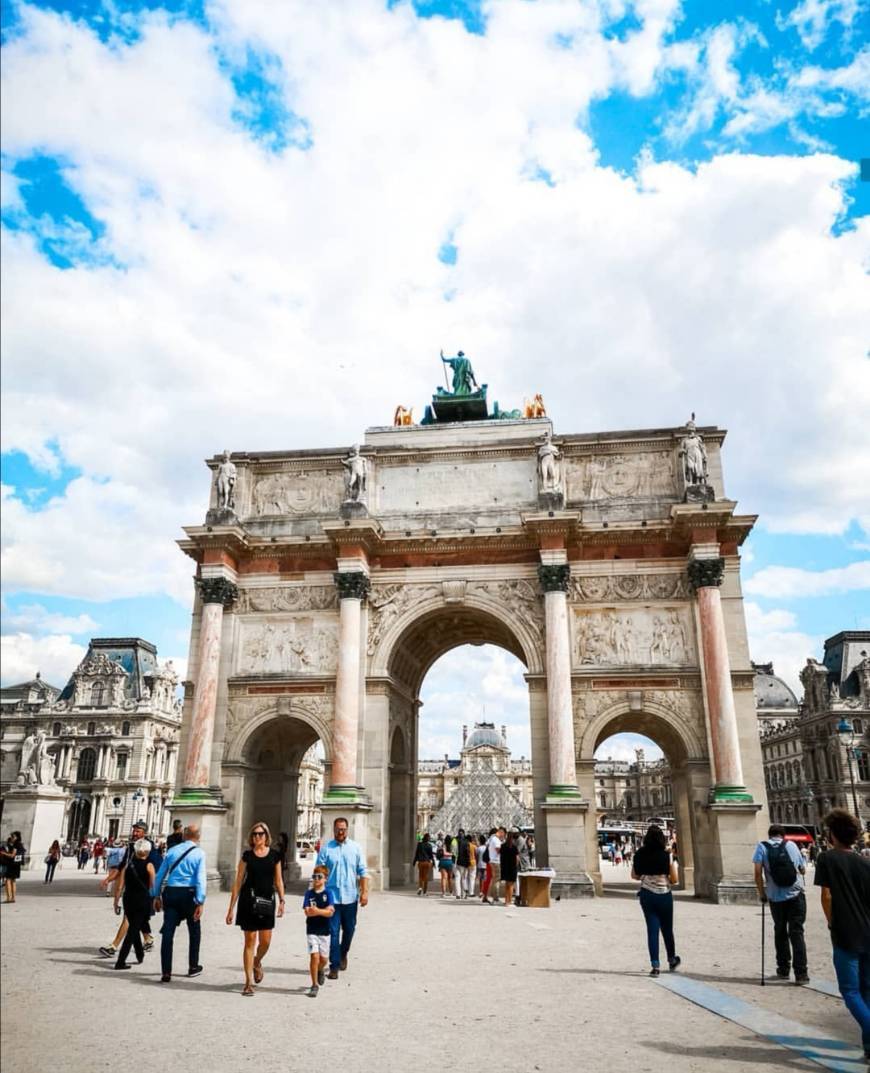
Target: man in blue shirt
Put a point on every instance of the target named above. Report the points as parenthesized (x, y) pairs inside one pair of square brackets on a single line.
[(183, 898), (788, 905), (348, 883)]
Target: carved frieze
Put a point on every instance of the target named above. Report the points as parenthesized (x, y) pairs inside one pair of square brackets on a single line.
[(289, 645), (289, 598), (522, 597), (628, 587), (644, 476), (647, 636), (387, 602), (314, 492)]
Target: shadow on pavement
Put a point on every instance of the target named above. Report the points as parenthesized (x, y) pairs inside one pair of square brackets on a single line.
[(181, 983), (759, 1055)]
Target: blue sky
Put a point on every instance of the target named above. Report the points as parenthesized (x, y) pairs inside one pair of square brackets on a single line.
[(640, 208)]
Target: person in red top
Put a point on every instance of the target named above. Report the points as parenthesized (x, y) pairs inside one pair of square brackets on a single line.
[(99, 850)]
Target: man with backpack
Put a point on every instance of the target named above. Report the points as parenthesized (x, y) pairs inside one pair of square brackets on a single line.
[(779, 871)]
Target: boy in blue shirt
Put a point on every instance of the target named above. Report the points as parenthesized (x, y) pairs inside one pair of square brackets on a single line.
[(318, 906)]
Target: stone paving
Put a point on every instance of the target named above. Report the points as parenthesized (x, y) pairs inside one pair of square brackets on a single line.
[(431, 982)]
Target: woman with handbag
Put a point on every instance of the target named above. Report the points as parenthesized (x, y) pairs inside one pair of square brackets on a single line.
[(257, 878), (657, 872), (51, 860), (13, 856)]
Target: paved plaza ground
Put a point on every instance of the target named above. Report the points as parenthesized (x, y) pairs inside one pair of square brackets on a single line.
[(432, 983)]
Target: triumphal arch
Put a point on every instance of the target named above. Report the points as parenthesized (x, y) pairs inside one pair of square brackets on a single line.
[(330, 580)]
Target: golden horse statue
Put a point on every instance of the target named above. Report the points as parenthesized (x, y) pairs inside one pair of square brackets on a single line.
[(403, 416), (535, 408)]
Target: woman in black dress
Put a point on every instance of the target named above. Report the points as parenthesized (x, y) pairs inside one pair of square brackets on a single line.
[(13, 857), (257, 878), (138, 879), (509, 857)]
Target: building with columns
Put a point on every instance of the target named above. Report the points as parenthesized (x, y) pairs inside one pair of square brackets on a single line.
[(329, 581), (109, 744), (816, 753)]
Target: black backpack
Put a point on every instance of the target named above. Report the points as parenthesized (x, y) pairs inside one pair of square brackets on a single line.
[(781, 866)]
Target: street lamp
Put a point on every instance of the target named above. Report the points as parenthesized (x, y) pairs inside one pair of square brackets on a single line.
[(847, 737)]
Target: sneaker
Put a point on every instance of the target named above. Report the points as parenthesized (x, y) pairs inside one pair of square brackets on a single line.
[(321, 976), (312, 991), (654, 972), (801, 978), (332, 974), (107, 951), (194, 970), (419, 891), (674, 964)]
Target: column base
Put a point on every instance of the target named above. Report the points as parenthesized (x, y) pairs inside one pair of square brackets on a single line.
[(735, 891), (197, 796), (730, 795), (346, 795), (563, 793), (565, 814)]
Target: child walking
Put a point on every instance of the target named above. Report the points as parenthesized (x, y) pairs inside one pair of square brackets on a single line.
[(318, 908)]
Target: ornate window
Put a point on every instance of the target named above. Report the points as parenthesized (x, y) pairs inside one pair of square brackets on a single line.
[(603, 798), (87, 765), (125, 728), (863, 758), (92, 729), (55, 730), (99, 693), (121, 764)]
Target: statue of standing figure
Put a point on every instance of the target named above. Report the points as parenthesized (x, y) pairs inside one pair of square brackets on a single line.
[(694, 456), (44, 761), (226, 483), (464, 382), (549, 466), (355, 477)]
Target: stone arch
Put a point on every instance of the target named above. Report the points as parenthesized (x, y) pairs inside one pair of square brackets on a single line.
[(677, 738), (241, 737), (479, 619), (401, 812)]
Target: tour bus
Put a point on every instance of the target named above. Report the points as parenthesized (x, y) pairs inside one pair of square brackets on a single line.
[(801, 834), (609, 834)]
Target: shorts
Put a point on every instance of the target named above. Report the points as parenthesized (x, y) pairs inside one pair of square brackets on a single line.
[(446, 866), (318, 944)]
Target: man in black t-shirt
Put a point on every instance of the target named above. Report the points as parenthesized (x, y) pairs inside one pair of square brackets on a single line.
[(844, 877), (177, 837)]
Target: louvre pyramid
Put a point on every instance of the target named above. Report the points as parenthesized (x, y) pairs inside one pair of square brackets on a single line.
[(480, 802)]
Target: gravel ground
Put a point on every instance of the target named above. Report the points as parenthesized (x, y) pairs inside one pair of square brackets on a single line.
[(430, 980)]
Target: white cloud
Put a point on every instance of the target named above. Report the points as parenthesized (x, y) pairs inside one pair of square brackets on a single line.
[(36, 618), (623, 746), (785, 582), (811, 18), (775, 638), (54, 656), (274, 301)]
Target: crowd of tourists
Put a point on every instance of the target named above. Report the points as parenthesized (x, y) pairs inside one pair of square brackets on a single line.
[(144, 881)]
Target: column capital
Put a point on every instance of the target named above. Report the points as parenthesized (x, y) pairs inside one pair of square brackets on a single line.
[(554, 577), (706, 573), (218, 590), (352, 584)]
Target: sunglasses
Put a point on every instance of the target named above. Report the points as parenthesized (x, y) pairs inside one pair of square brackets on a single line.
[(256, 834)]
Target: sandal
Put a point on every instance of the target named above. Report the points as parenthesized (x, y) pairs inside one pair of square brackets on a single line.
[(258, 973), (247, 991)]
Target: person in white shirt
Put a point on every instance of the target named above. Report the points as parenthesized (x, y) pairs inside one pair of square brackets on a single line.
[(493, 846)]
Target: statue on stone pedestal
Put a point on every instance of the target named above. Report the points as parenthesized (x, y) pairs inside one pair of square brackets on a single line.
[(355, 476), (226, 483), (37, 763), (549, 466), (464, 382), (27, 768), (694, 455)]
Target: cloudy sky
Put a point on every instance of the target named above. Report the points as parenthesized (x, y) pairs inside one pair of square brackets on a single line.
[(253, 225)]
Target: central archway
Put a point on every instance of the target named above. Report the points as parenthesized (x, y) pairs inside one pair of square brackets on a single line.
[(410, 650)]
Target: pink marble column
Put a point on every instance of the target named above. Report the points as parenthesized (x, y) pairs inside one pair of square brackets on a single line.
[(353, 586), (560, 715), (705, 576), (217, 593)]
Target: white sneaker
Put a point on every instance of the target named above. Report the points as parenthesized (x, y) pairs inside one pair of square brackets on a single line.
[(419, 891)]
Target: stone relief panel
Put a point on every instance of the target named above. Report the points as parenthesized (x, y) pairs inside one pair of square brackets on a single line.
[(288, 645), (388, 602), (629, 587), (521, 596), (649, 636), (289, 598), (314, 492), (645, 476), (463, 484)]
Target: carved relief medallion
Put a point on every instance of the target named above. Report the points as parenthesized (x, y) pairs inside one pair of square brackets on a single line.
[(315, 492)]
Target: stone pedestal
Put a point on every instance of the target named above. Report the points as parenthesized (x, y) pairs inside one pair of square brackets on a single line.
[(356, 813), (551, 500), (731, 831), (38, 813), (353, 508), (210, 819), (221, 516), (566, 847)]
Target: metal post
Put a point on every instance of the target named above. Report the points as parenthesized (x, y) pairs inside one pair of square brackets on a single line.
[(849, 751)]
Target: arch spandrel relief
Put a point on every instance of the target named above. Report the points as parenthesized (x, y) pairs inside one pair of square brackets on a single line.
[(244, 717), (678, 714), (289, 644), (658, 636)]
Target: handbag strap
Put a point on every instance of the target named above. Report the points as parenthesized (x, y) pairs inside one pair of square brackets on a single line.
[(175, 864)]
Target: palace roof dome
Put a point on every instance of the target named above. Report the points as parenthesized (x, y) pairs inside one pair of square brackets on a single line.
[(485, 734), (770, 690)]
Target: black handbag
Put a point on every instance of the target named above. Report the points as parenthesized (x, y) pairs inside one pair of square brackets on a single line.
[(262, 907)]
